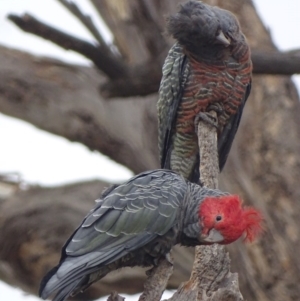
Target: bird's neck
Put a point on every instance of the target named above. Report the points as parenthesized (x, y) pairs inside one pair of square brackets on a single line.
[(191, 203), (190, 227), (216, 55), (240, 50), (210, 55)]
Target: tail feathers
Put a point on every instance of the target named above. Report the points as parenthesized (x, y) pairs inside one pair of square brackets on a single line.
[(45, 280), (66, 291), (71, 285), (69, 278), (52, 282)]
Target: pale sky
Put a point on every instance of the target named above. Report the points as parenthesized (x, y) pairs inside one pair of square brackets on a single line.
[(38, 145)]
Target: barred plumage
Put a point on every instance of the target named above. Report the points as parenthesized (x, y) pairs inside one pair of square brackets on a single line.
[(136, 224), (208, 69)]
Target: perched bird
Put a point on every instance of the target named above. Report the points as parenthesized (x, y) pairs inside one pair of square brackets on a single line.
[(208, 69), (138, 222)]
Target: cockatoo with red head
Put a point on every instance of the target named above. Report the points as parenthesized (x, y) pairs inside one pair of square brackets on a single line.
[(138, 222)]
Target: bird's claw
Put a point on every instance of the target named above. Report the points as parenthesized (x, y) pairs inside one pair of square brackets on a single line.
[(206, 117), (157, 260)]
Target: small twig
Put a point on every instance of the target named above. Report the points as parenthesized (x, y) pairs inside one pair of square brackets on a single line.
[(114, 296), (86, 20), (113, 67), (157, 281)]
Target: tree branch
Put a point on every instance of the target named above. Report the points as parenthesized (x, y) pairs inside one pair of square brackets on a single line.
[(104, 60), (64, 100), (211, 270), (211, 278), (142, 78), (157, 280), (86, 20), (276, 63), (114, 296)]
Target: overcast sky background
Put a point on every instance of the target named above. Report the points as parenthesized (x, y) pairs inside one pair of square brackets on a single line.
[(42, 153)]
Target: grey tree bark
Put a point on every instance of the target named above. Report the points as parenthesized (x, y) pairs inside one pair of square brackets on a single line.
[(263, 166)]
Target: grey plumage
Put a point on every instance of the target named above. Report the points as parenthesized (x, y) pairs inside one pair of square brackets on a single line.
[(133, 224)]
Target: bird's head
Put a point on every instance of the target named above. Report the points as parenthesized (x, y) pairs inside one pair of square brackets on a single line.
[(198, 26), (229, 25), (223, 220)]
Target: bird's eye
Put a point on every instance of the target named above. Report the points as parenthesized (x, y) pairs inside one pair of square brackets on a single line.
[(218, 218)]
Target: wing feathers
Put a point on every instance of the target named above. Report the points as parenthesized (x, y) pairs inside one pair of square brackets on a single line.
[(127, 218)]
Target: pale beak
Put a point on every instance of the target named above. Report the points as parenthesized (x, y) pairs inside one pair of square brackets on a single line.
[(213, 236), (222, 39)]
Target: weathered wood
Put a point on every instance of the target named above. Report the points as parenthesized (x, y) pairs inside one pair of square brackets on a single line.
[(208, 152), (157, 280), (64, 100)]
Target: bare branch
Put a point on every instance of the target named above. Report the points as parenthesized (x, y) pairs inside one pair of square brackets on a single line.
[(143, 78), (277, 63), (157, 280), (107, 62), (208, 152), (114, 296), (86, 20), (141, 81), (211, 278)]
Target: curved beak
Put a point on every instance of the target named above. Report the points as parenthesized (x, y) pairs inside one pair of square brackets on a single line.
[(222, 39), (213, 236)]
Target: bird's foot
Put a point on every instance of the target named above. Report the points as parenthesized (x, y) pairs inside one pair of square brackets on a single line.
[(206, 117), (157, 260), (216, 107)]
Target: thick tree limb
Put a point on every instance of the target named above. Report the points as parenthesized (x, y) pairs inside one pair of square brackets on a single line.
[(64, 100), (264, 62), (275, 62), (137, 26), (211, 278), (211, 270)]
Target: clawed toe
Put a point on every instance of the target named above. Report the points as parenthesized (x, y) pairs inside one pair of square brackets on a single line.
[(206, 117)]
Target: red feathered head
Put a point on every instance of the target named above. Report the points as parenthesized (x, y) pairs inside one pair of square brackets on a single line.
[(224, 220)]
